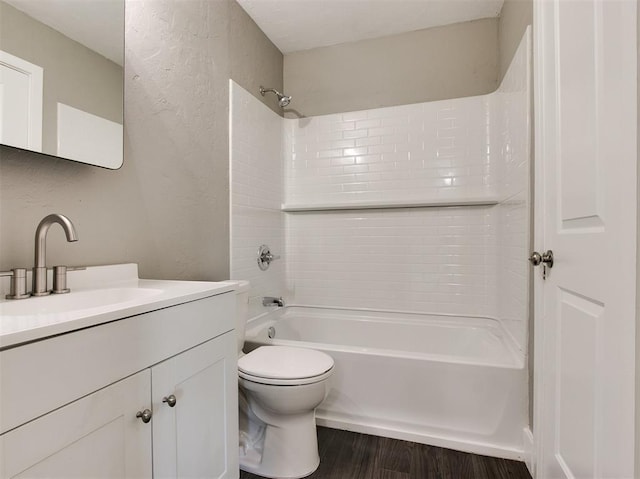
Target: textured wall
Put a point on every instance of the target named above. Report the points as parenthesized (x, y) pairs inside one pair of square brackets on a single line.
[(177, 70), (255, 61), (437, 63), (514, 18), (167, 208)]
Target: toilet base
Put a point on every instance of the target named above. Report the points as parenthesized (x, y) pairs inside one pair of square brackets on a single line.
[(290, 450), (278, 423)]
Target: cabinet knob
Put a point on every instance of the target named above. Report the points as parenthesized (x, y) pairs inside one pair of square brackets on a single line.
[(170, 400), (144, 415)]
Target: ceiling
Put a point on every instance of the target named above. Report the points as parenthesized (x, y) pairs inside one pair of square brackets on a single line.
[(294, 25), (97, 24)]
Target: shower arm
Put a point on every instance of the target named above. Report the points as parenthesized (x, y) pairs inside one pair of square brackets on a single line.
[(272, 90), (283, 100)]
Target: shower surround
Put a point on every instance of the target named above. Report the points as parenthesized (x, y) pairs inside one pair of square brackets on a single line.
[(418, 208)]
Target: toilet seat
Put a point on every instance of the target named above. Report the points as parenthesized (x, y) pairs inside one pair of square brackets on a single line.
[(284, 365), (285, 382)]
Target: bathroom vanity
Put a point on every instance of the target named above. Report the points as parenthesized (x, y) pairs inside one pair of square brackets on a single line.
[(141, 383)]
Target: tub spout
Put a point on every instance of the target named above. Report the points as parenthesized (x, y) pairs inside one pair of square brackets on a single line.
[(272, 301)]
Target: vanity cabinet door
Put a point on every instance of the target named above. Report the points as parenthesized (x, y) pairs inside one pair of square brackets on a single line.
[(97, 436), (197, 434)]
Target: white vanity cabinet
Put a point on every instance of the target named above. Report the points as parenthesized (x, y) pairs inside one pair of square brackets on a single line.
[(68, 403), (197, 435), (94, 437)]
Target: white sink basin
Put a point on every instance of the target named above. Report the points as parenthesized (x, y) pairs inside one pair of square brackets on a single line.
[(75, 301), (98, 294)]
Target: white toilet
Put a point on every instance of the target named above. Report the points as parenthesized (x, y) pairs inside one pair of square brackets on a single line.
[(280, 387)]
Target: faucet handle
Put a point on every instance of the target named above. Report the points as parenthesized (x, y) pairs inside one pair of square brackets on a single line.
[(60, 280), (18, 284)]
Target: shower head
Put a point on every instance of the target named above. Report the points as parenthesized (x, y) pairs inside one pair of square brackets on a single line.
[(283, 100)]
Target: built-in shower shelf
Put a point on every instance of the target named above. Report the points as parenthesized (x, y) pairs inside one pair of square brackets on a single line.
[(364, 205)]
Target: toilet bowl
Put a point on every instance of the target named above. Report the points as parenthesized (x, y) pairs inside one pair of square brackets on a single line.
[(279, 390)]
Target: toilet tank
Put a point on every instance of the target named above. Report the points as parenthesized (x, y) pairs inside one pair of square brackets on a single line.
[(242, 288)]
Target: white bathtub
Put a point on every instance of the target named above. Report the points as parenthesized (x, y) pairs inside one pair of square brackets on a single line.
[(454, 382)]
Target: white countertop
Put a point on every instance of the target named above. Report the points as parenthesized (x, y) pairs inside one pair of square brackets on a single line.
[(99, 294)]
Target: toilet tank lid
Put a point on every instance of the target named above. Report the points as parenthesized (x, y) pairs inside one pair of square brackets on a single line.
[(284, 362), (240, 285)]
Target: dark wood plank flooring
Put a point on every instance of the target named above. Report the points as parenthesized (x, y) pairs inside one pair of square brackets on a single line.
[(349, 455)]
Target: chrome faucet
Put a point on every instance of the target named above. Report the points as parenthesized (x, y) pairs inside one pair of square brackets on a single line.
[(40, 268), (271, 301)]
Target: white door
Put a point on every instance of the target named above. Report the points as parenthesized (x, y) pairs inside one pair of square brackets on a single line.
[(20, 103), (195, 406), (97, 436), (586, 209)]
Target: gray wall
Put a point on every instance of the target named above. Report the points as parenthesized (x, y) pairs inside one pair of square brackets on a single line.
[(433, 64), (514, 18), (167, 208), (255, 61), (72, 72)]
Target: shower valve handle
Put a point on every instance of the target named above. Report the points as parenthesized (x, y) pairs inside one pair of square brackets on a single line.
[(270, 257), (265, 257)]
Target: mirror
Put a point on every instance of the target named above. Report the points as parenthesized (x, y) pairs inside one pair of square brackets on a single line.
[(62, 77)]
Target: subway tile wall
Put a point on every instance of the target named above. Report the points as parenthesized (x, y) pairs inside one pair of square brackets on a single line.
[(256, 151), (436, 260), (512, 267), (436, 150), (469, 260)]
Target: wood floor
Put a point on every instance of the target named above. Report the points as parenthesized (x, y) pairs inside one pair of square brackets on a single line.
[(349, 455)]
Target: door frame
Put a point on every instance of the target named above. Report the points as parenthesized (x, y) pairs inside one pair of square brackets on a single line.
[(538, 227)]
